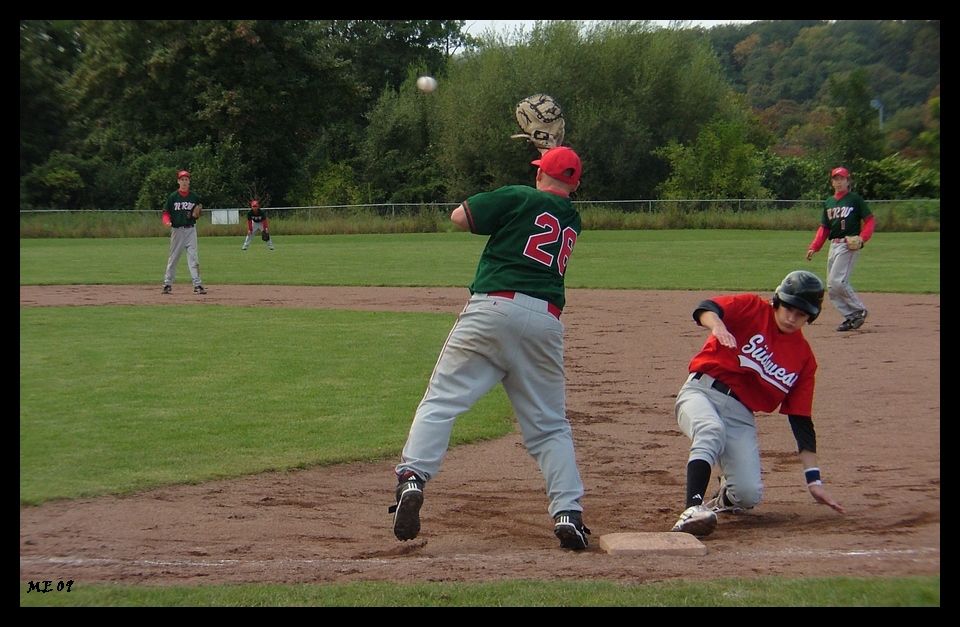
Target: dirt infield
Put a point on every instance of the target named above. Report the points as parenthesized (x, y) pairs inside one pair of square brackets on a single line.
[(877, 412)]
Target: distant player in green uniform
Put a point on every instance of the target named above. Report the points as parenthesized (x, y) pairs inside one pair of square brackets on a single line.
[(180, 214), (257, 223), (509, 333), (845, 213)]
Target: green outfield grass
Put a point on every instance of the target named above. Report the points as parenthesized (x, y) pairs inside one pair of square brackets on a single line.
[(771, 592), (103, 408), (681, 259), (115, 399)]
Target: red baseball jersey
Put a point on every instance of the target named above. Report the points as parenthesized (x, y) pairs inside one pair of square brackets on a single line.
[(768, 368)]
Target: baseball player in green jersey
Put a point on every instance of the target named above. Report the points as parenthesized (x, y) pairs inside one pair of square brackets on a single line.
[(848, 224), (257, 223), (180, 213), (510, 333)]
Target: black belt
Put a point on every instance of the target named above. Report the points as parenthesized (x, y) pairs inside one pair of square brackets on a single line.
[(185, 226), (719, 387)]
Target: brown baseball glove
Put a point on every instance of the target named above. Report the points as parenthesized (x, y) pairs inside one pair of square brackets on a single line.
[(854, 242), (541, 120), (197, 210)]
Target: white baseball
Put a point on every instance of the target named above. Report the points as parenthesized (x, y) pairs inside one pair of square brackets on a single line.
[(426, 84)]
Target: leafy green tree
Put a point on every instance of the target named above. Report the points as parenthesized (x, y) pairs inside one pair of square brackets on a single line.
[(321, 109), (794, 177), (894, 177), (396, 153), (379, 52), (268, 87), (48, 52), (627, 88), (721, 163), (336, 184), (220, 174), (58, 183), (379, 55), (855, 134), (791, 59), (929, 139), (68, 181)]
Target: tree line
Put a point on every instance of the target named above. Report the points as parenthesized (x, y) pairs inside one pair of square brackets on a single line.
[(325, 112)]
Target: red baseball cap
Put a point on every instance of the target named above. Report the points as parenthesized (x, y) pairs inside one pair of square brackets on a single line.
[(254, 203), (558, 160), (183, 173), (839, 172)]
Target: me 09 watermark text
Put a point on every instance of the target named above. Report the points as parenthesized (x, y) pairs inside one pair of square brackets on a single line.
[(49, 586)]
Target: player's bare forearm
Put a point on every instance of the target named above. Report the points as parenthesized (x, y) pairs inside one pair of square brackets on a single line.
[(712, 322)]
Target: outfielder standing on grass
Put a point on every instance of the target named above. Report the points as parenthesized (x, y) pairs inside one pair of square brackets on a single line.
[(257, 223), (755, 359), (510, 333), (848, 224), (180, 213)]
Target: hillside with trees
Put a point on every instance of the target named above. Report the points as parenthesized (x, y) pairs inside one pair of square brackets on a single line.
[(325, 112)]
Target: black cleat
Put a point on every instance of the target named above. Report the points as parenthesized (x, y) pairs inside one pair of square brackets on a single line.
[(569, 529), (406, 519)]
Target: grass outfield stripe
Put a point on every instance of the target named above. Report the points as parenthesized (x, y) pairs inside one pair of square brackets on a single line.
[(182, 394), (906, 263)]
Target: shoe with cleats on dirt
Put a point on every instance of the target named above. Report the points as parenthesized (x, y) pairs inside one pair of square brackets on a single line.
[(406, 513), (720, 503), (698, 520), (854, 322), (570, 530)]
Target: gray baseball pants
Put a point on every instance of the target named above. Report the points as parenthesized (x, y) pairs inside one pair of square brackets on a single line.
[(257, 228), (840, 262), (517, 343), (723, 433), (183, 239)]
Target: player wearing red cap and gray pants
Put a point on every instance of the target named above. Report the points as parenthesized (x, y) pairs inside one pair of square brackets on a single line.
[(844, 214), (510, 333), (178, 215), (256, 223)]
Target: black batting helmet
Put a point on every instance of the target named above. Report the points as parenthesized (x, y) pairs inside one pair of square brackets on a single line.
[(803, 290)]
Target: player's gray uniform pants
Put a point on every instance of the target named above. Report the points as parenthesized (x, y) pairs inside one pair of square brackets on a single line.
[(183, 239), (257, 228), (723, 433), (516, 343), (840, 262)]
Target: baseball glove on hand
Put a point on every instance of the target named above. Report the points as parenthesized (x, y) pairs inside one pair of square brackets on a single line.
[(264, 235), (197, 210), (854, 242), (541, 120)]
